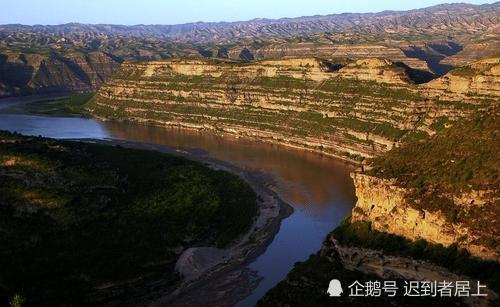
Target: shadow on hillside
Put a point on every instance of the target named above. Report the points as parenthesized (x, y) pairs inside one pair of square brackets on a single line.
[(434, 56)]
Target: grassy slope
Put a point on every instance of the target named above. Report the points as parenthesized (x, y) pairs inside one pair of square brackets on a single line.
[(72, 105), (76, 215)]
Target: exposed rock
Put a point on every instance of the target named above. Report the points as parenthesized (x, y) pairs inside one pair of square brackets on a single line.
[(479, 78), (379, 70), (34, 73), (352, 110), (392, 267), (384, 204), (437, 21), (77, 57)]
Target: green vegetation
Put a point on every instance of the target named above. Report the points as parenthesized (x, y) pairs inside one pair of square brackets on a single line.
[(347, 97), (283, 83), (72, 105), (369, 88), (307, 283), (74, 216), (459, 158), (464, 71), (360, 234), (16, 301)]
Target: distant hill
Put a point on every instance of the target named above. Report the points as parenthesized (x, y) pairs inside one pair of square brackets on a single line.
[(437, 20), (80, 57)]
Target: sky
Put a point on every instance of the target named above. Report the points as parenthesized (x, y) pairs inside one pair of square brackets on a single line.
[(130, 12)]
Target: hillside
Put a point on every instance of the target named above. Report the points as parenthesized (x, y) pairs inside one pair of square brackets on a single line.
[(443, 189), (79, 57), (425, 211), (88, 224), (350, 109), (479, 77), (30, 73)]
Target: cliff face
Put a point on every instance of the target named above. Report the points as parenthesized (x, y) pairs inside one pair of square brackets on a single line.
[(37, 73), (385, 205), (443, 189), (352, 110), (378, 70), (478, 78)]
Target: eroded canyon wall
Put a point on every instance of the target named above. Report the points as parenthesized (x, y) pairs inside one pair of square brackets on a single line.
[(349, 109), (388, 208)]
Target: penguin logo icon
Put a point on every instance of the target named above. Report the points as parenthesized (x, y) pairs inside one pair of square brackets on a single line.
[(335, 288)]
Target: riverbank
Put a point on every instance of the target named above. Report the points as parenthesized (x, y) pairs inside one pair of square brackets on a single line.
[(318, 187), (205, 287), (79, 217)]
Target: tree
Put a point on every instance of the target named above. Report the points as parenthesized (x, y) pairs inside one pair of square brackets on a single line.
[(16, 301)]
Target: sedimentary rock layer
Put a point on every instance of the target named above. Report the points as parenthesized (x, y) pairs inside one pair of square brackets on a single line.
[(387, 207), (353, 110)]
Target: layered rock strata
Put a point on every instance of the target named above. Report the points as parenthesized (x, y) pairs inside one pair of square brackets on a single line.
[(352, 110), (386, 206)]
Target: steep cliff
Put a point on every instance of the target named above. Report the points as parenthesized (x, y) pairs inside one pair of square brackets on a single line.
[(353, 110), (378, 70), (388, 208), (477, 78), (387, 266), (355, 253), (28, 73), (443, 189)]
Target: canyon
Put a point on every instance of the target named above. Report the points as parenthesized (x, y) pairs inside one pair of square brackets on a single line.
[(378, 114), (409, 99)]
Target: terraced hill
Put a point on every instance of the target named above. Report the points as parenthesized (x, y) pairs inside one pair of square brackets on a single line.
[(350, 109)]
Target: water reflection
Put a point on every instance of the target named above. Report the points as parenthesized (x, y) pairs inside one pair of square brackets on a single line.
[(318, 187), (54, 127)]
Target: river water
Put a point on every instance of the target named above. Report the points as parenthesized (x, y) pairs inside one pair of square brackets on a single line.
[(318, 187)]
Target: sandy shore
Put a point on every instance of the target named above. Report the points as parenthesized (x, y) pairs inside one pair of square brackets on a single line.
[(216, 277)]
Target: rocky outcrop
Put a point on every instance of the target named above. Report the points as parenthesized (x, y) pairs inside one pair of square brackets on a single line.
[(78, 57), (378, 70), (296, 68), (22, 74), (385, 205), (478, 78)]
